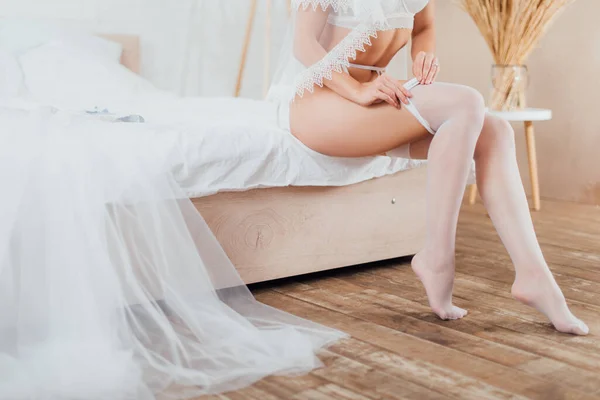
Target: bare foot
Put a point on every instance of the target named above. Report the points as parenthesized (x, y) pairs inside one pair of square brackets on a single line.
[(438, 283), (540, 291)]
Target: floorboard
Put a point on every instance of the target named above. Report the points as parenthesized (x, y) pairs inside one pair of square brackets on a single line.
[(399, 350)]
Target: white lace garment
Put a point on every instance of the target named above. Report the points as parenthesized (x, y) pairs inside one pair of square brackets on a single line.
[(351, 24)]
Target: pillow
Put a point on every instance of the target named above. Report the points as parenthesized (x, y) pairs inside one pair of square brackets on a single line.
[(11, 76), (60, 75), (94, 46), (21, 35)]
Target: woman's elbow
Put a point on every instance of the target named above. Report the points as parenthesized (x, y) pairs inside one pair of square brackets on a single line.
[(299, 51), (302, 51)]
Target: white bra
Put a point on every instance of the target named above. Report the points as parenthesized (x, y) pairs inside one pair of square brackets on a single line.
[(400, 14)]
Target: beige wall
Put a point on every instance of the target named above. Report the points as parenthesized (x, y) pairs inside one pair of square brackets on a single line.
[(564, 72)]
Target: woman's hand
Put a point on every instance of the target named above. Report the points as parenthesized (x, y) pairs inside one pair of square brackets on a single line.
[(383, 89), (426, 67)]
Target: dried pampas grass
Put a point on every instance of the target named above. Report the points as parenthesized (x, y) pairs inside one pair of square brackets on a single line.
[(512, 29)]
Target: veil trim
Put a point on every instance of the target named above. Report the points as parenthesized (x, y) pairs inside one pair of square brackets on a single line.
[(338, 59), (337, 5)]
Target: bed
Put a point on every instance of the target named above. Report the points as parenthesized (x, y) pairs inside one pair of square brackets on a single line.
[(272, 233)]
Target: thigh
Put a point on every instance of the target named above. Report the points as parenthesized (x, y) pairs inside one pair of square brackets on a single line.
[(332, 125), (495, 131), (420, 149)]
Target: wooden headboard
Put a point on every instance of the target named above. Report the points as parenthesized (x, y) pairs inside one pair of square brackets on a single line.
[(131, 50)]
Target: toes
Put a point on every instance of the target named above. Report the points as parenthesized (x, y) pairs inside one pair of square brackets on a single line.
[(451, 314), (458, 313), (462, 312), (578, 328)]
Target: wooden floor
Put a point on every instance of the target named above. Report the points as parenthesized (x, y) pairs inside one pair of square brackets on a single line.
[(502, 349)]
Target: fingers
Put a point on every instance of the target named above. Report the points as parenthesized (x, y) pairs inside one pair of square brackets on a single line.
[(391, 91), (402, 96), (387, 94), (427, 66), (433, 71), (406, 93), (398, 85), (430, 75), (394, 85), (388, 99), (437, 70), (403, 93), (418, 65)]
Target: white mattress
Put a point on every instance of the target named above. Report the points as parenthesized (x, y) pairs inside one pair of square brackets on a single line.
[(231, 144)]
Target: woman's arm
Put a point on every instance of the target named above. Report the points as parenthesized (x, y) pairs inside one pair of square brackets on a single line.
[(307, 49), (425, 64)]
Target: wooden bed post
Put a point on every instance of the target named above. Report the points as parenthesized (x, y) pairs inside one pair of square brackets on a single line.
[(267, 69), (242, 68), (268, 36)]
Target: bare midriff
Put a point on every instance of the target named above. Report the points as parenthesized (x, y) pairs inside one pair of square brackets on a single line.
[(383, 49)]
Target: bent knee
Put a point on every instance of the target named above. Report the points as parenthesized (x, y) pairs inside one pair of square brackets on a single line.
[(498, 126), (471, 103), (497, 135), (442, 102)]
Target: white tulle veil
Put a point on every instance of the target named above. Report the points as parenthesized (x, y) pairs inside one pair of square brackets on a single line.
[(343, 28), (112, 286)]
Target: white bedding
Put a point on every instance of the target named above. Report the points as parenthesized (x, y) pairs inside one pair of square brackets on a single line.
[(226, 144), (234, 144)]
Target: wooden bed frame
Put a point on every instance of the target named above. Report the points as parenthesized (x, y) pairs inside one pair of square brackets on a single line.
[(281, 232)]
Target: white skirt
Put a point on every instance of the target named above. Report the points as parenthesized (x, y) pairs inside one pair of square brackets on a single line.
[(112, 286)]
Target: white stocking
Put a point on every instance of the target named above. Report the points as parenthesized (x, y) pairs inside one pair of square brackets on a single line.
[(500, 185), (456, 113)]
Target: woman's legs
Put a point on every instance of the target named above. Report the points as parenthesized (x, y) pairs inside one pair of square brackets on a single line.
[(456, 113), (501, 189), (499, 182)]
